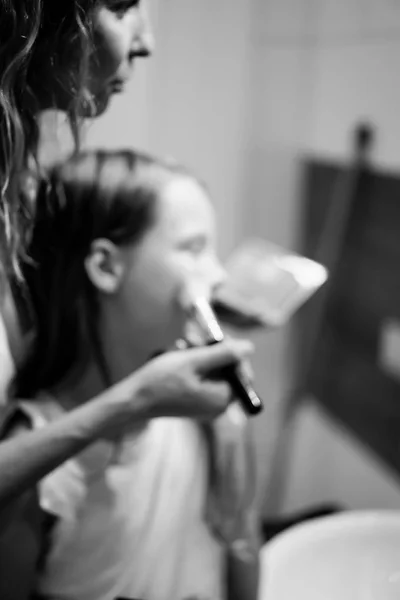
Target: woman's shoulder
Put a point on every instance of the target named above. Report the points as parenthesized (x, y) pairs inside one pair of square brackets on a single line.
[(6, 361), (11, 339)]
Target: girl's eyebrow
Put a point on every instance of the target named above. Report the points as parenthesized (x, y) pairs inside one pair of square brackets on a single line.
[(194, 237), (195, 240)]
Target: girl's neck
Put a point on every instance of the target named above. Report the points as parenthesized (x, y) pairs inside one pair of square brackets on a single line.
[(87, 387), (75, 392), (119, 357), (92, 381)]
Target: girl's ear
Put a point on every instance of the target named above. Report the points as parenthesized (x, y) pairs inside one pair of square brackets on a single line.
[(105, 266)]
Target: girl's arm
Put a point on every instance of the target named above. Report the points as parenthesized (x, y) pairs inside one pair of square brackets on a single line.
[(235, 492), (243, 579), (243, 568)]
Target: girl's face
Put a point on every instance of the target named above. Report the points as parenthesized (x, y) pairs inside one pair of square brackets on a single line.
[(177, 252), (121, 34)]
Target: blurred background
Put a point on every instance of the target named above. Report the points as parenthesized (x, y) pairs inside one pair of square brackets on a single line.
[(261, 99)]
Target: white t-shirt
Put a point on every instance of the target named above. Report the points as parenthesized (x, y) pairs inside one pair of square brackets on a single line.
[(131, 518)]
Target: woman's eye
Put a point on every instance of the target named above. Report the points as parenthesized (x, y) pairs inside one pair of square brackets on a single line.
[(121, 7)]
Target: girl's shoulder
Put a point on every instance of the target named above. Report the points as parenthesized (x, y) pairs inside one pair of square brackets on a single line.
[(17, 416), (13, 421)]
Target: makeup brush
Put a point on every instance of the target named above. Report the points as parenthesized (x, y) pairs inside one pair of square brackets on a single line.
[(200, 311)]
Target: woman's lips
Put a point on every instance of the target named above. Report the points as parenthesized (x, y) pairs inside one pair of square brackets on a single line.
[(117, 87)]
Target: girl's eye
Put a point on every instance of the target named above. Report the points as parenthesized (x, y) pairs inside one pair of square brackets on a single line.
[(195, 247)]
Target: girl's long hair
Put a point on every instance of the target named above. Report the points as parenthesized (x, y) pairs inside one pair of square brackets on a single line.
[(39, 39), (96, 194)]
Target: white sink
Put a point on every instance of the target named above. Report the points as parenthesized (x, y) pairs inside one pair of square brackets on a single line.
[(353, 555)]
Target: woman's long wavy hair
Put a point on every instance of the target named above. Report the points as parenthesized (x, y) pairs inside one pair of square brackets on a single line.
[(95, 194), (39, 40)]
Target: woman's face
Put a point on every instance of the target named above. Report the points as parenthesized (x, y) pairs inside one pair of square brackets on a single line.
[(177, 253), (121, 34)]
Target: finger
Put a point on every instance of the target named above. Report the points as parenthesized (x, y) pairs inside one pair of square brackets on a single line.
[(218, 395), (245, 364), (219, 355), (236, 414), (247, 369)]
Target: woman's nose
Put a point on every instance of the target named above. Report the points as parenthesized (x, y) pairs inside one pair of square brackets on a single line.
[(143, 40)]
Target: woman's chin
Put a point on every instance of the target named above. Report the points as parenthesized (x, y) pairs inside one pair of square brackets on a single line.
[(96, 107)]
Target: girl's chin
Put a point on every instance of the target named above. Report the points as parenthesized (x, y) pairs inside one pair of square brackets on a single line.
[(173, 340), (179, 344), (156, 353)]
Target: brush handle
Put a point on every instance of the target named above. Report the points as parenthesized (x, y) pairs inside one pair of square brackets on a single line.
[(240, 383), (242, 387)]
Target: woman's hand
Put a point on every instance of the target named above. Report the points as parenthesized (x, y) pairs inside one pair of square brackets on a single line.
[(178, 383), (184, 383)]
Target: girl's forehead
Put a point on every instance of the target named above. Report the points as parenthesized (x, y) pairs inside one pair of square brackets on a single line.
[(183, 200)]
